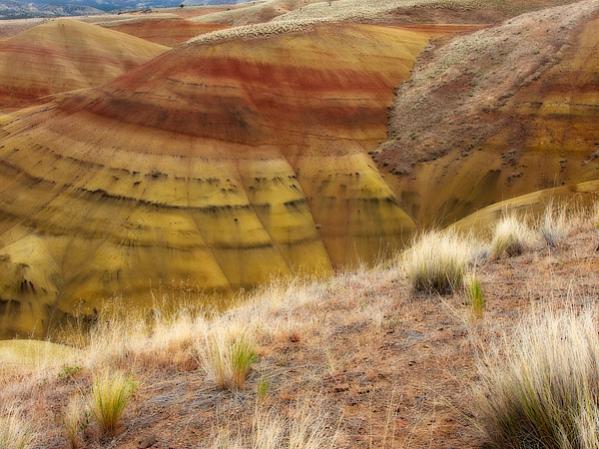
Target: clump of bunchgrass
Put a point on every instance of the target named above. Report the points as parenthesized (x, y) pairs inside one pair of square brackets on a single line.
[(227, 358), (110, 395), (438, 261), (511, 237), (554, 226), (475, 295), (15, 432), (540, 385)]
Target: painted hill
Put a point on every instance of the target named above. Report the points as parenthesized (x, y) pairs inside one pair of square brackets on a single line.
[(169, 31), (386, 11), (253, 13), (62, 55), (497, 114), (214, 166), (477, 11)]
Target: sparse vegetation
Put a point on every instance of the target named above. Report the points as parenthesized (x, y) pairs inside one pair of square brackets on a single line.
[(111, 392), (511, 237), (437, 262), (15, 432), (540, 389), (367, 309)]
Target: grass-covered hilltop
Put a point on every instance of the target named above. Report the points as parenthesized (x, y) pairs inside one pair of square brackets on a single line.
[(301, 224)]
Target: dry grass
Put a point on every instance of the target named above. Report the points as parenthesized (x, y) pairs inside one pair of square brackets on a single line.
[(258, 31), (555, 225), (438, 261), (75, 418), (540, 388), (511, 237), (15, 433), (304, 429), (111, 392)]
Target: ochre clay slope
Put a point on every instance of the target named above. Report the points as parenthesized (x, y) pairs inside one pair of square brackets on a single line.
[(582, 196), (214, 166), (498, 114), (63, 55)]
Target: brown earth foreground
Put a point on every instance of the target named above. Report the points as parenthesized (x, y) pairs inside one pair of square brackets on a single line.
[(384, 367)]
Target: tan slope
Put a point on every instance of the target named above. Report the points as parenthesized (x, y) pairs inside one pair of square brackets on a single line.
[(62, 55), (214, 166), (253, 12), (418, 10), (497, 114)]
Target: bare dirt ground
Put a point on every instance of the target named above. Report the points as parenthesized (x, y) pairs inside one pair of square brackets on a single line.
[(388, 368)]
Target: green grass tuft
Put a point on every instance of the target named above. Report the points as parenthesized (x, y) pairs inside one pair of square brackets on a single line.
[(476, 297), (109, 397), (243, 356)]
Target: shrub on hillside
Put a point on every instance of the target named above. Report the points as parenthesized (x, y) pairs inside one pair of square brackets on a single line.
[(540, 387), (437, 262)]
